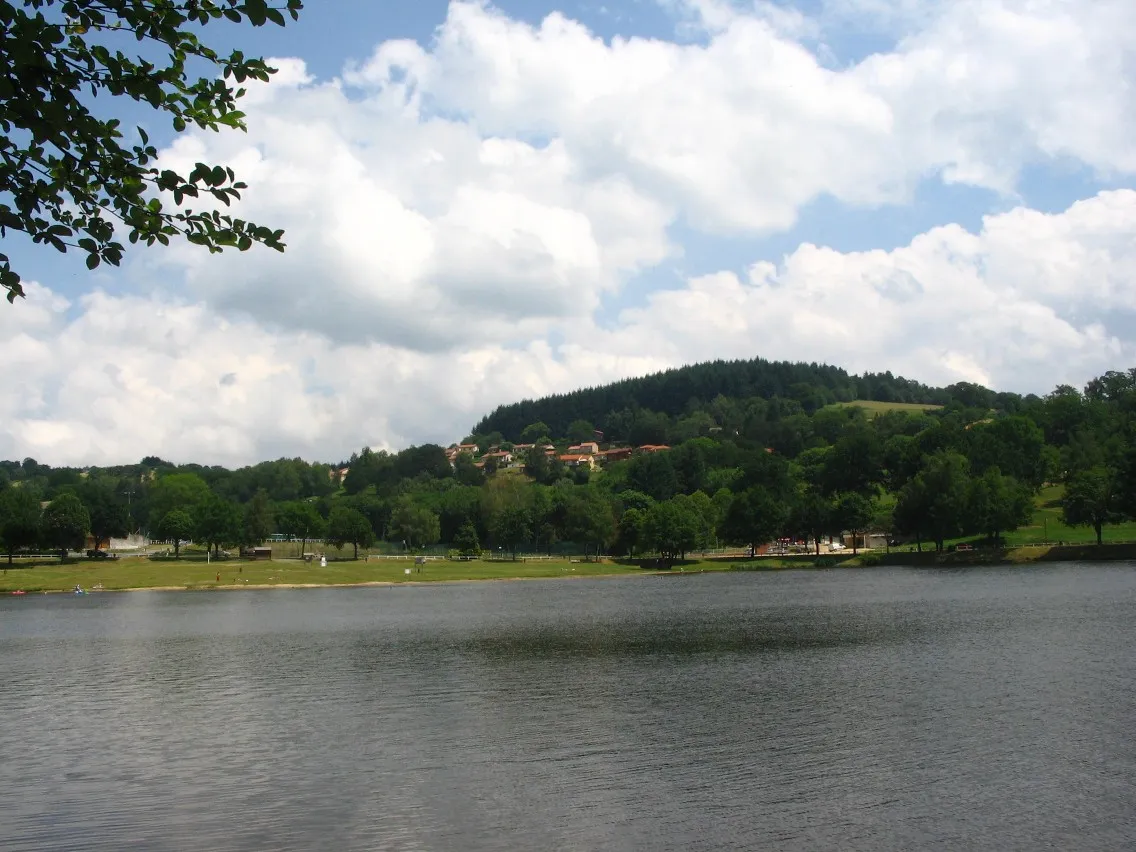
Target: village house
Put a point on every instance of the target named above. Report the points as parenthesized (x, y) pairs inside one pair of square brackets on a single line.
[(501, 457), (590, 447), (578, 460), (652, 448), (615, 454)]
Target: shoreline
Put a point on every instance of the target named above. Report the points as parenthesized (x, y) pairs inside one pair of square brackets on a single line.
[(362, 584), (87, 576), (260, 587)]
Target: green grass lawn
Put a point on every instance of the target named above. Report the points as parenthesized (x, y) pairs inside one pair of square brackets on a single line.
[(1048, 528), (1047, 525), (873, 408), (141, 572)]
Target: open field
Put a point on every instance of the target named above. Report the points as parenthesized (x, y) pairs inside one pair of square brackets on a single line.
[(142, 573), (1048, 527), (873, 408)]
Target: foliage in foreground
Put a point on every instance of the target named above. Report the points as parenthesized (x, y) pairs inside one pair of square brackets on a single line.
[(70, 174)]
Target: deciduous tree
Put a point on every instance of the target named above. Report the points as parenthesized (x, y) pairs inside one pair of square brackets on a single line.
[(216, 521), (258, 521), (672, 528), (1091, 500), (65, 524), (510, 526), (580, 430), (106, 508), (19, 519), (755, 517), (632, 530), (70, 174), (944, 484), (811, 517), (466, 540), (175, 491), (537, 432), (176, 526), (300, 520), (590, 520), (998, 504), (414, 524), (348, 526), (853, 512)]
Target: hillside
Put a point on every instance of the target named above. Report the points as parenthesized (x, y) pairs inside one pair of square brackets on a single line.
[(716, 457), (679, 391)]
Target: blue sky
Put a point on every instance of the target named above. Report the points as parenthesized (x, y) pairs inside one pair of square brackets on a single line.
[(507, 205)]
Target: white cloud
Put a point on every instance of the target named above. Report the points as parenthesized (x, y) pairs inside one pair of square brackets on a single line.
[(451, 209), (742, 130), (413, 230), (508, 176), (1023, 305)]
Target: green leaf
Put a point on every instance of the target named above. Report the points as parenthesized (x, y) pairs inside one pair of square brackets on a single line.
[(65, 170)]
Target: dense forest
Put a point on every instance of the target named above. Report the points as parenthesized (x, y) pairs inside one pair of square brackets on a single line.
[(675, 392), (658, 466)]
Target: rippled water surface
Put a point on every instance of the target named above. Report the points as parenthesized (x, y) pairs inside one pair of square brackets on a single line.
[(885, 709)]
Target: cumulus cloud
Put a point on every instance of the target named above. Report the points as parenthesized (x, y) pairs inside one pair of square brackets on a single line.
[(131, 376), (1022, 305), (508, 175), (411, 230), (458, 213), (1027, 303)]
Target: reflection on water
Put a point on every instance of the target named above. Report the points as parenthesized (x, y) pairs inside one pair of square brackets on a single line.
[(891, 709)]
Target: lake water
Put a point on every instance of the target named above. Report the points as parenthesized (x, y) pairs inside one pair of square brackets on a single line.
[(876, 710)]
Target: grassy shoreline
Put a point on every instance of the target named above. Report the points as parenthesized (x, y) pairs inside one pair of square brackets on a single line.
[(144, 574), (141, 574)]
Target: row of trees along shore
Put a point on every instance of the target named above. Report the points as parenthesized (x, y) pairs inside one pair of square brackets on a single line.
[(739, 470)]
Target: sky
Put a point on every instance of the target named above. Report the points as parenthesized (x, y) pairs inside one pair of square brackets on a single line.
[(485, 202)]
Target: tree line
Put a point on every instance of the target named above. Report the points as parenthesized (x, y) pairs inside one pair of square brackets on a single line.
[(738, 471), (630, 410)]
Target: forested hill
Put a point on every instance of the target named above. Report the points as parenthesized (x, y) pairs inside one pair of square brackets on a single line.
[(681, 390)]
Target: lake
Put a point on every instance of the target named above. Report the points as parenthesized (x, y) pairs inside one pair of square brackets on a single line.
[(984, 708)]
